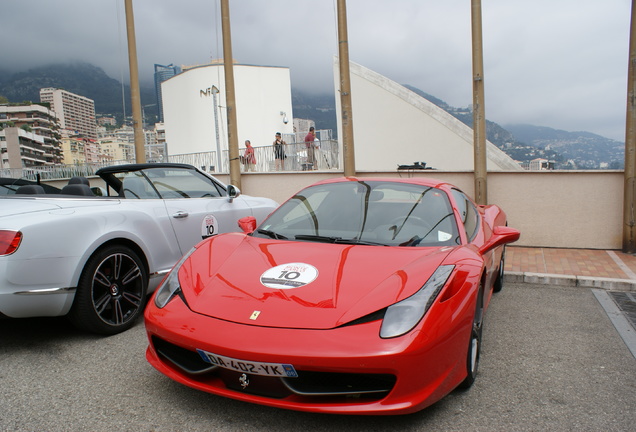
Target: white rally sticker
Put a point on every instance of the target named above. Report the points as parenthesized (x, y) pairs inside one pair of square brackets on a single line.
[(209, 227), (288, 276), (443, 236)]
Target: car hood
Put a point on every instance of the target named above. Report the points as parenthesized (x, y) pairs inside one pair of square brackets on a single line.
[(291, 284)]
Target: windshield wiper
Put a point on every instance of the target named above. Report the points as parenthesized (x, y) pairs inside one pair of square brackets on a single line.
[(318, 238), (360, 242), (339, 240), (271, 234)]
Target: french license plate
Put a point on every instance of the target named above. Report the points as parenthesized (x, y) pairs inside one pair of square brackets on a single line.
[(250, 367)]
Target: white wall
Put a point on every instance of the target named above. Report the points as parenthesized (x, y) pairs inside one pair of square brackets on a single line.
[(394, 126), (262, 92), (563, 209)]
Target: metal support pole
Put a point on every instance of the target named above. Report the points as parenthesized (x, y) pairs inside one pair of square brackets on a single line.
[(479, 116), (345, 92), (215, 92), (629, 222), (228, 67), (135, 97)]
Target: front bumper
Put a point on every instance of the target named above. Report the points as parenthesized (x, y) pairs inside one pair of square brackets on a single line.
[(348, 370)]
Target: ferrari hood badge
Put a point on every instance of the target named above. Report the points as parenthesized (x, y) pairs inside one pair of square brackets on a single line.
[(255, 315)]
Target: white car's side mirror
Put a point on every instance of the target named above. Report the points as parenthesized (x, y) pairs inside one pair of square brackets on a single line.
[(232, 192)]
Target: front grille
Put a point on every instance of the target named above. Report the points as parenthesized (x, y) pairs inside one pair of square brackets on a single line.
[(186, 360), (308, 384), (311, 383)]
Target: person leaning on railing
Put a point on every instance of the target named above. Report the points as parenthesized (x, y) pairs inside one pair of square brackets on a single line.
[(249, 158)]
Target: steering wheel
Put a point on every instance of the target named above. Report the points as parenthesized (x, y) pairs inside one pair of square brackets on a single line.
[(397, 224), (411, 220), (127, 192)]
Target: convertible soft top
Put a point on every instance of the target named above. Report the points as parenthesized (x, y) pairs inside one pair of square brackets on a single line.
[(137, 167)]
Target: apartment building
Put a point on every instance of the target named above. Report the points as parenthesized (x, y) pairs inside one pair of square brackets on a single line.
[(29, 136), (80, 151), (76, 113)]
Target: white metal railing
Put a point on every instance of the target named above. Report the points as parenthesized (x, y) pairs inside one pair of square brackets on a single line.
[(327, 157), (297, 157), (53, 172)]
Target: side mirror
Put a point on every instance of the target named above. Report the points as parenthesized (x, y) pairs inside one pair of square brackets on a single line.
[(99, 191), (232, 192), (247, 224), (500, 236)]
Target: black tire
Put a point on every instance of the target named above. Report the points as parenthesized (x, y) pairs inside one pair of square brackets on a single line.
[(474, 345), (111, 293), (499, 282)]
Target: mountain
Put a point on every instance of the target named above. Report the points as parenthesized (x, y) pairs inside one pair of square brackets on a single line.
[(80, 78), (522, 142), (319, 108), (580, 150)]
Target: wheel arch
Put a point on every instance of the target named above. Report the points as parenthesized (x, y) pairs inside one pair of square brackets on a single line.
[(116, 241)]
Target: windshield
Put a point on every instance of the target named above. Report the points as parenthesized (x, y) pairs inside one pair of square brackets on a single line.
[(374, 212), (167, 183)]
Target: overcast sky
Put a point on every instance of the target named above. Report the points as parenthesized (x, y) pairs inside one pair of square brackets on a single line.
[(556, 63)]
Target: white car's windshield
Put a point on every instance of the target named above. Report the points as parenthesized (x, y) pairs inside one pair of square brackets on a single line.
[(373, 212), (167, 183)]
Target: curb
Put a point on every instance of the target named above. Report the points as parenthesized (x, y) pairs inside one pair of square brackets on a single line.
[(608, 284)]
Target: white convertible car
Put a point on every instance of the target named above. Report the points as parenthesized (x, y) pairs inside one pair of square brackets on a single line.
[(95, 258)]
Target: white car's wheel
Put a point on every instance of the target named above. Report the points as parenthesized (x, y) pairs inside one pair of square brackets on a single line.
[(111, 293)]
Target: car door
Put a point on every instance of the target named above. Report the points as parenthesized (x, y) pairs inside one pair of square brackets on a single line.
[(141, 196), (197, 205)]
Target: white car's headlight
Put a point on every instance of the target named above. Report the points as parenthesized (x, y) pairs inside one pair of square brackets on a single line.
[(401, 317), (171, 286)]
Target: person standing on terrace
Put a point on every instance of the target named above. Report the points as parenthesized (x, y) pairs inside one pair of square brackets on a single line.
[(311, 148), (249, 158), (279, 153)]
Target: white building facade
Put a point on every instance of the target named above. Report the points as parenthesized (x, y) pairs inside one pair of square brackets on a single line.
[(394, 126), (195, 108)]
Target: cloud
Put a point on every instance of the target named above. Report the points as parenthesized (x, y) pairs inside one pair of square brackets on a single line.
[(559, 64)]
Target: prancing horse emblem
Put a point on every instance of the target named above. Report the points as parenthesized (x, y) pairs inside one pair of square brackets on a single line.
[(244, 381)]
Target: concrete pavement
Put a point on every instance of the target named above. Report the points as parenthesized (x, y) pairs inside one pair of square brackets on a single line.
[(551, 360)]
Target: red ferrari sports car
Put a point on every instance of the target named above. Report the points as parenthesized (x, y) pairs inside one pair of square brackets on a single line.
[(356, 296)]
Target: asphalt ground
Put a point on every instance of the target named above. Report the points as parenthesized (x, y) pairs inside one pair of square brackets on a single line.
[(551, 360)]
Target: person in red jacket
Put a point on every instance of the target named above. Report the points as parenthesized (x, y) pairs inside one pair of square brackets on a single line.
[(249, 158), (311, 148)]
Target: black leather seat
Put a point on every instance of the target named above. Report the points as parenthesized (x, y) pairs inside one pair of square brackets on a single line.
[(77, 189), (29, 190), (79, 180)]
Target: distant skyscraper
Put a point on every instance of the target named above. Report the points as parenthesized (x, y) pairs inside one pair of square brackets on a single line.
[(163, 73), (76, 113)]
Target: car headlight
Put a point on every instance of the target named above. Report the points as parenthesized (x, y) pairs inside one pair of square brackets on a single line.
[(401, 317), (170, 286)]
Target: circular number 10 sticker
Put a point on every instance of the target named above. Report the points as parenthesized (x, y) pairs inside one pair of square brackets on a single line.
[(291, 275)]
